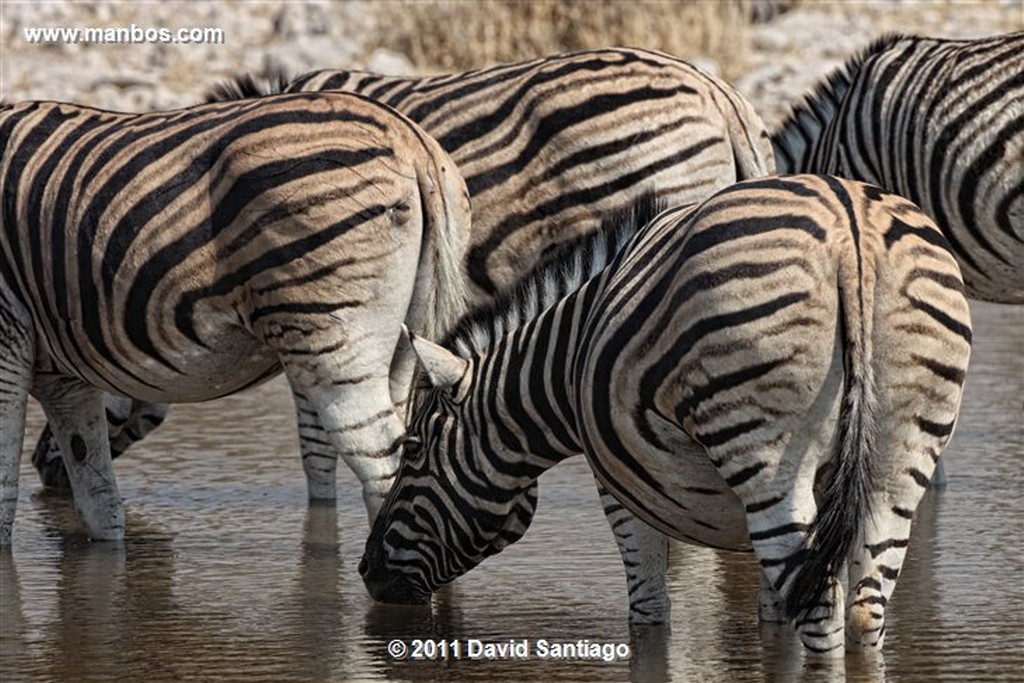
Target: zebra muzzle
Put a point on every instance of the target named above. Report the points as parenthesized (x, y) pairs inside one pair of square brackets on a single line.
[(384, 585)]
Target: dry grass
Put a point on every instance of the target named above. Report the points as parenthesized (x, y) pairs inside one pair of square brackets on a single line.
[(455, 36)]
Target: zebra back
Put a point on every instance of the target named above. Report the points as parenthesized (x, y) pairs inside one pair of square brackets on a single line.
[(549, 146), (795, 140)]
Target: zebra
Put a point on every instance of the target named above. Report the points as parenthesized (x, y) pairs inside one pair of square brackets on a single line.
[(777, 368), (189, 254), (940, 122), (546, 147)]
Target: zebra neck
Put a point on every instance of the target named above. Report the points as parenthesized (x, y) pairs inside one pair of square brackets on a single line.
[(524, 391)]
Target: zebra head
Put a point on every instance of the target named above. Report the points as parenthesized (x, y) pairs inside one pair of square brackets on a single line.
[(452, 504)]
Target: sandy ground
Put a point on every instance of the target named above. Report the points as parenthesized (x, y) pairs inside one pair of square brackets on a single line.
[(783, 57)]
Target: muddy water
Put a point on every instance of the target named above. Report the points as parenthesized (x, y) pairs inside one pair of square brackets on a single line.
[(227, 575)]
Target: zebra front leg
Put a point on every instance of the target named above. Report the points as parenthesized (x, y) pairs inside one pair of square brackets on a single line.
[(75, 412), (769, 602), (128, 421), (319, 457), (16, 355), (644, 553)]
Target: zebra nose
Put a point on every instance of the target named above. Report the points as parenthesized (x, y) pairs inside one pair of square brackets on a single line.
[(364, 567)]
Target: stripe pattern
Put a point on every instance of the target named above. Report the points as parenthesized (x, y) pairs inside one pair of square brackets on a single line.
[(776, 369), (547, 147), (550, 145), (185, 255), (940, 122)]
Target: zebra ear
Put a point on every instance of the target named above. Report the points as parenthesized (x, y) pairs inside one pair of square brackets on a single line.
[(443, 367)]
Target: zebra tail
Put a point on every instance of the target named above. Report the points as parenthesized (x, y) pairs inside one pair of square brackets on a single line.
[(845, 506), (753, 156), (446, 228)]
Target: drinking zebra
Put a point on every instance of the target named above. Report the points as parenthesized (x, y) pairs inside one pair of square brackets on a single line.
[(940, 122), (185, 255), (547, 146), (777, 368)]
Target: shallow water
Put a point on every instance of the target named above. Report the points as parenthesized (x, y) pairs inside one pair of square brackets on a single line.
[(228, 575)]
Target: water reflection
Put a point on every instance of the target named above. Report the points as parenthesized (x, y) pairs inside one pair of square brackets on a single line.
[(228, 575)]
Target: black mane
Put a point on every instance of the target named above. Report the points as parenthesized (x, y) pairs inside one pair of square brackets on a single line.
[(834, 85), (246, 85), (556, 276)]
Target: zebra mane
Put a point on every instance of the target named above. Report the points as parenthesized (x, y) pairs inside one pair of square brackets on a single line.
[(560, 274), (807, 118), (244, 86)]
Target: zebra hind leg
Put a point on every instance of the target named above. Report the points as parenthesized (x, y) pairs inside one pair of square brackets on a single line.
[(778, 522), (644, 553), (75, 411), (877, 559)]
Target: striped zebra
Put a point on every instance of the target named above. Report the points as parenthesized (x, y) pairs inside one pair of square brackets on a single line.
[(189, 254), (546, 147), (777, 368), (940, 122)]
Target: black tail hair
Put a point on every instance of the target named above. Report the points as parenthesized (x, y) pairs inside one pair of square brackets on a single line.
[(846, 504)]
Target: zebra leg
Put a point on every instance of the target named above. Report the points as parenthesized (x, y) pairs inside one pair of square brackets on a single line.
[(49, 462), (75, 412), (319, 457), (644, 553), (361, 424), (16, 362), (128, 421), (778, 535), (876, 561), (769, 602)]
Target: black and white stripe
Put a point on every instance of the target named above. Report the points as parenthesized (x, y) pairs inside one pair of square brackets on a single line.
[(550, 145), (547, 146), (940, 122), (185, 255), (776, 369)]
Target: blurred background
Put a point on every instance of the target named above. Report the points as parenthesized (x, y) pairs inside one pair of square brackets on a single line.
[(772, 50)]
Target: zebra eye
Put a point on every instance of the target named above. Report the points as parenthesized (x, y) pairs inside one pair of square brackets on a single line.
[(412, 446)]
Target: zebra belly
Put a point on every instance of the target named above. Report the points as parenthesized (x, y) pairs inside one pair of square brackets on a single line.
[(229, 360), (675, 488)]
